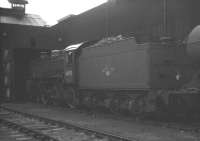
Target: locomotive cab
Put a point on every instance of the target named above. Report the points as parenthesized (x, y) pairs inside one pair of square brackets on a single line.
[(52, 76), (69, 67)]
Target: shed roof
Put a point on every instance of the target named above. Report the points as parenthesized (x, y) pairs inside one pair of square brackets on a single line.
[(18, 1), (8, 16)]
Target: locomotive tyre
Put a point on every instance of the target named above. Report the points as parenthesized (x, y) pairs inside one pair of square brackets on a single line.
[(70, 97), (44, 99), (114, 106)]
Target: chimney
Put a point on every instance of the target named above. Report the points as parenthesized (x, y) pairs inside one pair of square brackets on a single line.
[(18, 6)]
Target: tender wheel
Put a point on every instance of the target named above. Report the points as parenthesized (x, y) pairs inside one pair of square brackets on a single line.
[(44, 99), (114, 107), (70, 97)]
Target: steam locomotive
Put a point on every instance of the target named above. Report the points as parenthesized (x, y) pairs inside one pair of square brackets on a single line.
[(121, 75)]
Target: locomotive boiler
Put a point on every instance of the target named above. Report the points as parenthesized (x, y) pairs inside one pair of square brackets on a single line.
[(122, 75), (49, 75)]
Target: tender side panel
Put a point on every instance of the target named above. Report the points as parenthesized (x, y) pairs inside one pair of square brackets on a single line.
[(170, 67), (118, 65)]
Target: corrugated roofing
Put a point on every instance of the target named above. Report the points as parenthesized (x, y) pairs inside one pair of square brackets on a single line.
[(18, 1), (27, 19)]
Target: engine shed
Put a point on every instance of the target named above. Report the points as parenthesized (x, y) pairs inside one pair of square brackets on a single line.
[(18, 31), (146, 20)]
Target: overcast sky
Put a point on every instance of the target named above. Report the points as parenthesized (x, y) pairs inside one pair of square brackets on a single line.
[(53, 10)]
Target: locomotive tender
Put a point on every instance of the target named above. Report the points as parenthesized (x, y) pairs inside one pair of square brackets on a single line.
[(121, 75)]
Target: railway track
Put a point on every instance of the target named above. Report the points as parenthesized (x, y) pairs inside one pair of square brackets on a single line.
[(51, 130), (9, 134)]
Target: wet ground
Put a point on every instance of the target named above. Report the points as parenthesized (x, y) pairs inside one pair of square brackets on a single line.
[(135, 129), (7, 134)]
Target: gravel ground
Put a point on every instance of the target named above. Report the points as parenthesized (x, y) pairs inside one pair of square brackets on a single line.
[(7, 134), (131, 128)]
